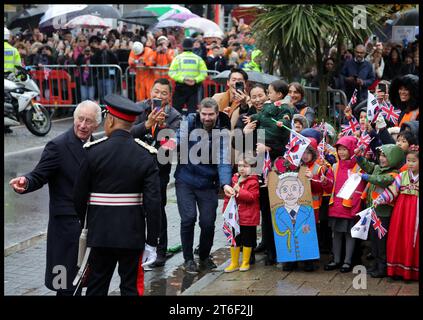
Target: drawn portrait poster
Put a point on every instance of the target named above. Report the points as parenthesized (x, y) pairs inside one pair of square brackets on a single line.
[(293, 220)]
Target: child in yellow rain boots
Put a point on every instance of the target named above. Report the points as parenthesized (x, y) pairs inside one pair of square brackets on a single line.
[(245, 187)]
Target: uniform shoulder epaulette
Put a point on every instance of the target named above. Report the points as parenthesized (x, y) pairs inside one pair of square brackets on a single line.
[(151, 149), (91, 143)]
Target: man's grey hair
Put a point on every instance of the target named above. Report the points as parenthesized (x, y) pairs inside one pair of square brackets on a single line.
[(209, 103), (93, 105)]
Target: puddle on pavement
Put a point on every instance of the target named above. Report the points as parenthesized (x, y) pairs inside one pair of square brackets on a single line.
[(179, 281)]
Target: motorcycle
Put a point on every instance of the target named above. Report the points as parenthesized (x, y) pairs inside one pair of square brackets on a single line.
[(20, 92)]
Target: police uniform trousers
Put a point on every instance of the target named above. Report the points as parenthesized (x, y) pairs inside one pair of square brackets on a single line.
[(186, 95), (102, 264), (62, 253)]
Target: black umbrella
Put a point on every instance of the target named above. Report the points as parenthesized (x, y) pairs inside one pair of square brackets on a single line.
[(140, 14), (408, 18), (140, 21), (27, 19), (101, 10)]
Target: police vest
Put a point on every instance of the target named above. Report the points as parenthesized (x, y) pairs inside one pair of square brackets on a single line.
[(345, 202), (11, 58), (188, 65)]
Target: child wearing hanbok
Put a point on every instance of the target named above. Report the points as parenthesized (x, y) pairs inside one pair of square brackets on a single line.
[(403, 233)]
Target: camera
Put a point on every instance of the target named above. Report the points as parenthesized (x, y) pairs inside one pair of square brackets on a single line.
[(157, 103), (239, 86), (382, 87)]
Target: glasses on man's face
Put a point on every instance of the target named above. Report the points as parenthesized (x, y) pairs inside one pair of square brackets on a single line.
[(88, 121)]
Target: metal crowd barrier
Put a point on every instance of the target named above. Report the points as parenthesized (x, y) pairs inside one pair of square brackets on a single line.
[(335, 97), (147, 76), (68, 85)]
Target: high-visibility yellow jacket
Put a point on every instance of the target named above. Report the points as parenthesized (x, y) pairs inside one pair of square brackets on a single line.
[(188, 65), (12, 58)]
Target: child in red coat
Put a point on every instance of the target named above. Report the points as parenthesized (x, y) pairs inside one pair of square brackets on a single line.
[(247, 194)]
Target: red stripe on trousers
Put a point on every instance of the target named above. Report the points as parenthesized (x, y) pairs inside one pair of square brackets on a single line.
[(140, 278)]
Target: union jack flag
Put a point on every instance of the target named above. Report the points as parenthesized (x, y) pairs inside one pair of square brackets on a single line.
[(267, 165), (377, 225), (364, 141), (227, 230), (351, 127), (390, 113), (353, 99)]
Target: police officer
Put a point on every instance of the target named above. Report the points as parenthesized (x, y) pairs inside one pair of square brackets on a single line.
[(118, 188), (12, 57), (189, 71)]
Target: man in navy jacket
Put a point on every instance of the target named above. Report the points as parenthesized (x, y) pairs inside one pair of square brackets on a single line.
[(358, 74), (199, 175), (59, 166)]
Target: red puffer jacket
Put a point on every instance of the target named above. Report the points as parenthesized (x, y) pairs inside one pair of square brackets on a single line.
[(337, 208), (247, 200)]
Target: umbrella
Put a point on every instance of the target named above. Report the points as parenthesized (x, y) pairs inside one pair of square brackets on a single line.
[(86, 21), (27, 18), (253, 76), (408, 18), (105, 11), (183, 16), (164, 10), (57, 15), (203, 25), (140, 14), (167, 24)]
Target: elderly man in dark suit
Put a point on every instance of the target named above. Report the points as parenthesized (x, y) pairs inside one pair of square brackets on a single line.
[(59, 167)]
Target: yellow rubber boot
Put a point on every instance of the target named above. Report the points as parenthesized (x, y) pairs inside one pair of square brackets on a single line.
[(234, 266), (246, 254)]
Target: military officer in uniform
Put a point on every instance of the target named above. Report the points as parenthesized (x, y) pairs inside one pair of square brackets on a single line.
[(118, 188)]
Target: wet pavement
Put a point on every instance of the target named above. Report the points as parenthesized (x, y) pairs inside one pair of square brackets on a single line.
[(26, 216)]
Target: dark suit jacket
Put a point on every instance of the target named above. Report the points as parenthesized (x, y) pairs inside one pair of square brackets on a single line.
[(59, 167)]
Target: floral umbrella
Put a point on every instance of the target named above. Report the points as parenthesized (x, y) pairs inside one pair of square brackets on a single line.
[(87, 21)]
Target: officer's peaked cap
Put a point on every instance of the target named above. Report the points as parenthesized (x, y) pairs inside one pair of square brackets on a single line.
[(122, 107)]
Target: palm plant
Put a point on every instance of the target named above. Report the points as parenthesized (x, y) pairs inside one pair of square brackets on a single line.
[(296, 33)]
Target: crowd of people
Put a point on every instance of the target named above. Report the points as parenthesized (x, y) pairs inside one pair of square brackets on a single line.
[(388, 165)]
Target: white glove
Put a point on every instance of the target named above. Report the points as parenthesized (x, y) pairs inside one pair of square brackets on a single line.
[(380, 122), (149, 255)]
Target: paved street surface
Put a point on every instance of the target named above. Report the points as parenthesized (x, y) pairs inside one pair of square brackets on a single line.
[(26, 219)]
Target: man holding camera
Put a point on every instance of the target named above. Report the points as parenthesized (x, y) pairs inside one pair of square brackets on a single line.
[(358, 74), (234, 101), (158, 115), (164, 57)]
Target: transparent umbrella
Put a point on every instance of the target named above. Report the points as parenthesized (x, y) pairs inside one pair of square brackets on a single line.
[(253, 76)]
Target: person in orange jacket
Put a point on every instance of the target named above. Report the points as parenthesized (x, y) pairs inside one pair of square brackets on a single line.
[(164, 57), (142, 57)]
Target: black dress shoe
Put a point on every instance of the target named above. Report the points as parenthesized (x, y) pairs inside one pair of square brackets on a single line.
[(160, 261), (332, 266), (270, 259), (378, 274), (372, 269), (259, 248), (289, 266), (346, 267)]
